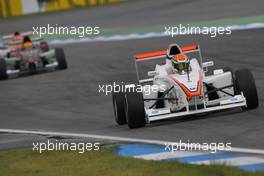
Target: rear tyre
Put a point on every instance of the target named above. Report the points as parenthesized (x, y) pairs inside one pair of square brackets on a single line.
[(245, 83), (135, 110), (60, 56), (3, 69), (119, 107)]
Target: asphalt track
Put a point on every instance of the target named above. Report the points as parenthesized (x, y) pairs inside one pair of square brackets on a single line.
[(140, 13), (68, 101)]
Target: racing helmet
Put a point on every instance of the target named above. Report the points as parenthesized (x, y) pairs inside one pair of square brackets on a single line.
[(27, 43), (180, 62)]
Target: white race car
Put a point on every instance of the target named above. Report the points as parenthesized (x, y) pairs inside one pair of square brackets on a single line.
[(181, 88)]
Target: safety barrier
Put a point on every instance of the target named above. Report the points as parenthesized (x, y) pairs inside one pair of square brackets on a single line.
[(22, 7)]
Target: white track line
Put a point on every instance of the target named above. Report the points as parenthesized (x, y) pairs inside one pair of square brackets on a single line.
[(168, 155), (236, 161), (115, 138), (133, 36)]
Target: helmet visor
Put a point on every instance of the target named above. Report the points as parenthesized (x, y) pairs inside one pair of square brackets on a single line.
[(182, 66)]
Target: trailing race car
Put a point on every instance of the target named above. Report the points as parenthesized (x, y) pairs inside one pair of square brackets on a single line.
[(182, 86), (30, 59), (13, 42)]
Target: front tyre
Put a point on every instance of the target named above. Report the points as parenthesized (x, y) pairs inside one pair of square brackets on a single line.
[(245, 83), (119, 107), (60, 57), (135, 110), (3, 69)]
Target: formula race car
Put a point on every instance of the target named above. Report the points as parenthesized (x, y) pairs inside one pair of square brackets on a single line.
[(12, 42), (183, 85), (30, 59)]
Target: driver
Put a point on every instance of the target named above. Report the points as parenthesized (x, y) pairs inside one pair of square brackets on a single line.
[(180, 63), (27, 43)]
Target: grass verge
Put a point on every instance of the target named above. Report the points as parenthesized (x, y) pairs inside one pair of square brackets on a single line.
[(25, 162)]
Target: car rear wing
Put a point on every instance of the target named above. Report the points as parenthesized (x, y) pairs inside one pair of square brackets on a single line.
[(9, 39), (11, 36), (161, 54), (36, 39)]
